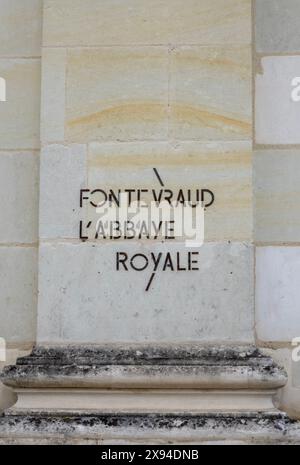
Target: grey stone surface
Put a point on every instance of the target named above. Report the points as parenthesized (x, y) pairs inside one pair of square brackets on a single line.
[(63, 174), (18, 296), (277, 293), (249, 427), (277, 25), (296, 375), (277, 114), (19, 176), (84, 299), (277, 193), (182, 366)]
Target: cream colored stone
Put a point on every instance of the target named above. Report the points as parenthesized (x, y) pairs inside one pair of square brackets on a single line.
[(53, 95), (19, 176), (18, 296), (20, 114), (211, 93), (21, 28), (84, 299), (118, 22), (63, 174), (224, 168), (116, 94)]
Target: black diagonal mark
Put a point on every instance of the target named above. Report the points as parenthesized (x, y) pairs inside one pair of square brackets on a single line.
[(150, 282), (158, 177)]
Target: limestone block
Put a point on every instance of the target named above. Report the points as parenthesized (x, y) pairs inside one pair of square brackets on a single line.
[(223, 168), (63, 174), (277, 293), (21, 28), (211, 93), (83, 298), (53, 95), (116, 22), (277, 100), (18, 297), (116, 94), (277, 191), (19, 176), (20, 114), (277, 26)]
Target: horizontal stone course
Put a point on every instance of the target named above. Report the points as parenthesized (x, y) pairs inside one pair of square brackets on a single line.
[(115, 22)]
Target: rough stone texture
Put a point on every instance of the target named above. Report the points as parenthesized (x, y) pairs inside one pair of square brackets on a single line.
[(249, 427), (210, 93), (277, 115), (18, 296), (63, 174), (288, 398), (277, 191), (184, 366), (83, 298), (21, 28), (19, 115), (277, 26), (115, 22), (277, 293), (19, 194), (224, 168)]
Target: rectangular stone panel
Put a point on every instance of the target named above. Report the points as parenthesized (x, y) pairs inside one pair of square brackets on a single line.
[(21, 28), (85, 299), (116, 94), (20, 114), (19, 179), (224, 168), (63, 174), (277, 293), (132, 22), (277, 193), (277, 26), (278, 100), (210, 94), (18, 296)]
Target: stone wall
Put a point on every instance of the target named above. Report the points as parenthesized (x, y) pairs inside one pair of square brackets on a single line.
[(20, 66), (276, 186), (126, 86)]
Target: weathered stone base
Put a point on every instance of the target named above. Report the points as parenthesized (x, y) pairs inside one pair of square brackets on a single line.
[(146, 395), (246, 428)]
